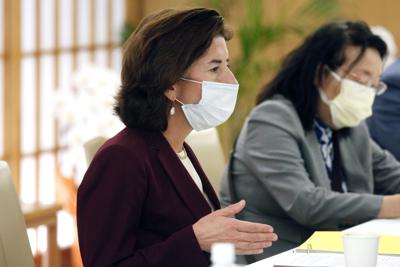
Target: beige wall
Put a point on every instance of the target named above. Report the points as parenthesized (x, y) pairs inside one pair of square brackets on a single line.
[(376, 12)]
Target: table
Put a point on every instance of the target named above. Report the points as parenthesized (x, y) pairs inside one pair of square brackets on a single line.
[(378, 226), (302, 258), (383, 227), (40, 214)]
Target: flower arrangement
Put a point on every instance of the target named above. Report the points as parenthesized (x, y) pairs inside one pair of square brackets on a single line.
[(84, 110)]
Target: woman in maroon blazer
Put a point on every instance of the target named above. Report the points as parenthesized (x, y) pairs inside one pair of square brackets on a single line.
[(145, 200)]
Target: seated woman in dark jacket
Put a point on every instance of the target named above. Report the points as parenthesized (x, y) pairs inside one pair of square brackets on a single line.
[(145, 200)]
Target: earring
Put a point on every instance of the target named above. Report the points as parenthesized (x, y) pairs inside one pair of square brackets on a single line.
[(172, 111)]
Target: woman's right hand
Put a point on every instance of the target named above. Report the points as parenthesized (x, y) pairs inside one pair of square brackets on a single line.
[(220, 226)]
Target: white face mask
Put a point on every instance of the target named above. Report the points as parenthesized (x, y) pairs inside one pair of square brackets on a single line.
[(215, 107), (352, 105)]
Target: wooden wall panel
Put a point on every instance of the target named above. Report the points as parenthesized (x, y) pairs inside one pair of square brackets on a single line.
[(12, 56), (382, 12)]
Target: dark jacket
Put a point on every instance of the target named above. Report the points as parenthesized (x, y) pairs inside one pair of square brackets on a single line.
[(137, 204), (384, 125)]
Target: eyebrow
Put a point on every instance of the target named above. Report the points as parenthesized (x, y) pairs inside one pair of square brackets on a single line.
[(216, 61)]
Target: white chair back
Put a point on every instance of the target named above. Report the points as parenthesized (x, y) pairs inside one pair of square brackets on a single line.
[(14, 244), (205, 144), (208, 150), (92, 146)]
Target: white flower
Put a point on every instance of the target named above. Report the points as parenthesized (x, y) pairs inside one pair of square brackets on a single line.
[(84, 110)]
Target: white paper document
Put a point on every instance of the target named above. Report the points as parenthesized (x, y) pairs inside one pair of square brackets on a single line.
[(318, 259)]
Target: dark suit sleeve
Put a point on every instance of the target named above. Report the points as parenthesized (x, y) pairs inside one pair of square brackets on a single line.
[(384, 124), (110, 201)]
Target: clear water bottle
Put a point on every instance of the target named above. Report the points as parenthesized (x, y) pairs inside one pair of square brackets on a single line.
[(222, 255)]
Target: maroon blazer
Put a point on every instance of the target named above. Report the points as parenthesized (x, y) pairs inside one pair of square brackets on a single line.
[(137, 204)]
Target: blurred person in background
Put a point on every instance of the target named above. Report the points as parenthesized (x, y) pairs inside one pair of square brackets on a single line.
[(304, 160), (384, 124), (145, 200)]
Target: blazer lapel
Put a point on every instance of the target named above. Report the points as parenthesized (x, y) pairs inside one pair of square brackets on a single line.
[(318, 160), (183, 182), (355, 176)]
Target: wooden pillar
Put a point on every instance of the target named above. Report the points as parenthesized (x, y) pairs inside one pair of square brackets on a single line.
[(12, 91)]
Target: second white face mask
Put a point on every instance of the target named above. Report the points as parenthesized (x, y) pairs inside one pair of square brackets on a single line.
[(352, 105), (217, 103)]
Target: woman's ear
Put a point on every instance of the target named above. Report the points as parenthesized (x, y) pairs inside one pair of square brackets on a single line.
[(170, 93), (321, 77)]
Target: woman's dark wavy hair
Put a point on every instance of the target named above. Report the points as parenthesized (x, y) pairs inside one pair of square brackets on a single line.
[(155, 56), (304, 66)]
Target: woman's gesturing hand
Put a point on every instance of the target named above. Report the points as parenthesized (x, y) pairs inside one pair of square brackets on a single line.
[(220, 226)]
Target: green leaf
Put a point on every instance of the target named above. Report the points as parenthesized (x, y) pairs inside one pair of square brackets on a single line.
[(126, 31)]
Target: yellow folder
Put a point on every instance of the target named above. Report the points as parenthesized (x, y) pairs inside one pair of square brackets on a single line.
[(332, 241)]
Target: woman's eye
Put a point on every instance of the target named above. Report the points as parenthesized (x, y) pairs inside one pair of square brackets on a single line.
[(215, 69)]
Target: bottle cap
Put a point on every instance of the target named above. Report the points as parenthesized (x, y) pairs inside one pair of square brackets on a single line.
[(222, 253)]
